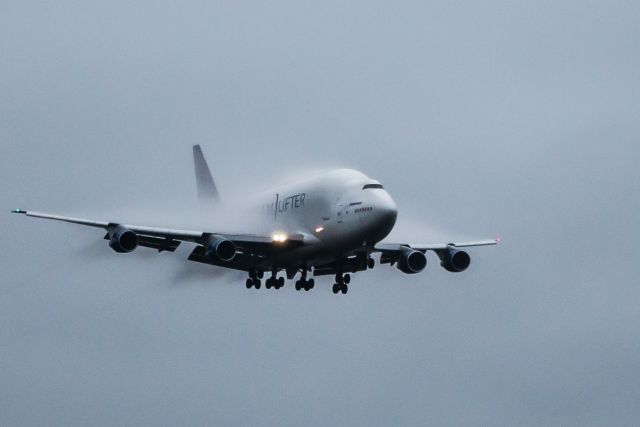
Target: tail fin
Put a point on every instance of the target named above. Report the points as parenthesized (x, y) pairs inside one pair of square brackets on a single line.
[(207, 191)]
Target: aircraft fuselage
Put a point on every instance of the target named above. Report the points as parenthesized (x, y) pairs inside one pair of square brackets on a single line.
[(338, 212)]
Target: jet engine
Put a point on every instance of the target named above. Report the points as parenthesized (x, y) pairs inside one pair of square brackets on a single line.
[(221, 249), (454, 260), (411, 261), (123, 240)]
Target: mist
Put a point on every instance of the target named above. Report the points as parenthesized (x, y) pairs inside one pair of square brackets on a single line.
[(480, 119)]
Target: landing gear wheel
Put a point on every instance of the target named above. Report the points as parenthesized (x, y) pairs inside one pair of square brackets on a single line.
[(298, 285), (371, 263), (249, 283), (344, 289), (257, 283), (311, 283), (336, 288), (267, 283), (280, 283), (347, 279)]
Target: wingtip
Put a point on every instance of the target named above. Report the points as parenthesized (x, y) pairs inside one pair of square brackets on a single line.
[(19, 211)]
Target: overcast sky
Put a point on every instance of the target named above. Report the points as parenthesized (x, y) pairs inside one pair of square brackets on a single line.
[(519, 119)]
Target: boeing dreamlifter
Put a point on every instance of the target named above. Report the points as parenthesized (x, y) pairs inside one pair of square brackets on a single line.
[(329, 225)]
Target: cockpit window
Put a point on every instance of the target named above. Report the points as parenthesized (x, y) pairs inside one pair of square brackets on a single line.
[(372, 186)]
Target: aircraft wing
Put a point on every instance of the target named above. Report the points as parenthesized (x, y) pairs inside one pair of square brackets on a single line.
[(451, 257), (249, 246), (423, 247), (183, 235)]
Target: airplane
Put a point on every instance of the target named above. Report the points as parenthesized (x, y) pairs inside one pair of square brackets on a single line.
[(328, 225)]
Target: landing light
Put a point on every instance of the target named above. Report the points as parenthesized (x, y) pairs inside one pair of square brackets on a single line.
[(279, 237), (319, 229)]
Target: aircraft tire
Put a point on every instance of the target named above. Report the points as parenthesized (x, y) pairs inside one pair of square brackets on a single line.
[(347, 279), (257, 284), (249, 283), (280, 282), (344, 289), (312, 283), (336, 288)]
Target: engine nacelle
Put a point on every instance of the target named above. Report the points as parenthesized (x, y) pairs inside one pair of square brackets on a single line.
[(221, 249), (454, 260), (411, 261), (123, 240)]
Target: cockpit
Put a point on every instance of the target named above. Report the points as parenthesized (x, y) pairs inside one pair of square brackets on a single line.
[(370, 186)]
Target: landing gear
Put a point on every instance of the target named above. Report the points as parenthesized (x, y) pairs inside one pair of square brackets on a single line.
[(274, 282), (371, 263), (303, 283), (254, 279), (307, 285), (253, 283), (337, 287), (341, 283), (343, 278)]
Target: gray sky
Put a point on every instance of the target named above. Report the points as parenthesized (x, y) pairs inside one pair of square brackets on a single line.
[(481, 118)]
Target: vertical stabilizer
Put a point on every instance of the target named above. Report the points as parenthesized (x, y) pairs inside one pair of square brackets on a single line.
[(207, 191)]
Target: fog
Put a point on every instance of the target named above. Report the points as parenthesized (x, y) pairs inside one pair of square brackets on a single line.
[(480, 118)]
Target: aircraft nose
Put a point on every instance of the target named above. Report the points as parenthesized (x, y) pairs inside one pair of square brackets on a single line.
[(386, 213)]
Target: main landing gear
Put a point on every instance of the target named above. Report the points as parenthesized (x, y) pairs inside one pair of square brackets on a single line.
[(341, 283), (303, 283), (254, 279), (274, 282)]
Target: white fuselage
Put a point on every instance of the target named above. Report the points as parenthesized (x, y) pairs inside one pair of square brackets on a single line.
[(337, 212)]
